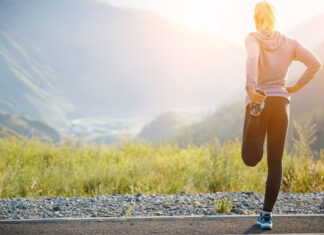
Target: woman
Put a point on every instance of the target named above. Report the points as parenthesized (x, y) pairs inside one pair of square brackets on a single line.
[(269, 55)]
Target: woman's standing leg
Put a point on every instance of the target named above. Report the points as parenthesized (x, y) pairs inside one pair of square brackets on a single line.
[(276, 136)]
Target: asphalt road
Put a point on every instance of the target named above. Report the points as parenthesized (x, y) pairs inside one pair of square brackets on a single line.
[(165, 225)]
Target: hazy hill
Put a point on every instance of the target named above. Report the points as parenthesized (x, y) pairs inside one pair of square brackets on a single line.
[(13, 125), (311, 96), (109, 61), (162, 126), (225, 124), (6, 132), (310, 32), (27, 83)]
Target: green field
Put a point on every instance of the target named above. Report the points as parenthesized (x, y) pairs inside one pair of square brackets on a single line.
[(30, 168)]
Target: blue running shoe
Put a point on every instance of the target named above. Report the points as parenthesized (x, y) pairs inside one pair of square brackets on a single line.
[(259, 219), (266, 222)]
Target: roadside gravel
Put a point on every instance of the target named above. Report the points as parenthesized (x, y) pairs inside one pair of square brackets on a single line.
[(117, 205)]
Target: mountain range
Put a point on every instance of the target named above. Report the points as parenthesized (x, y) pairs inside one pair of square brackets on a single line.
[(67, 59), (22, 128), (111, 61)]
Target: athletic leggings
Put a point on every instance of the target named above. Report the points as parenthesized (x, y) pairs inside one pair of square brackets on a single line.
[(272, 122)]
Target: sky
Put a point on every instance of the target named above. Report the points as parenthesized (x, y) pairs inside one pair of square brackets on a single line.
[(230, 19)]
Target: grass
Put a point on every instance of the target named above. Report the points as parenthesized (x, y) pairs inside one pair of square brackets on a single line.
[(168, 202), (223, 205), (30, 168), (129, 211), (37, 200)]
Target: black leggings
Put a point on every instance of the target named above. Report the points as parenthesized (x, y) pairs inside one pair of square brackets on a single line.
[(272, 122)]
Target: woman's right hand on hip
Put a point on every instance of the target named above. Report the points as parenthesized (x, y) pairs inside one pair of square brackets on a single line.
[(292, 89)]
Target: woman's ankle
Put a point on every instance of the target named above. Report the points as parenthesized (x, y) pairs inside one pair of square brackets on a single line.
[(266, 212)]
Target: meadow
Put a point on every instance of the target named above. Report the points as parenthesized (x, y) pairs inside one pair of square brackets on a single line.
[(31, 168)]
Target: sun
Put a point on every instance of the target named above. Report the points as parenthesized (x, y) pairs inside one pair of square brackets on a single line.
[(206, 17), (202, 21)]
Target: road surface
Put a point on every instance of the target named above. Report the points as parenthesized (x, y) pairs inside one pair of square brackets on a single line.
[(165, 225)]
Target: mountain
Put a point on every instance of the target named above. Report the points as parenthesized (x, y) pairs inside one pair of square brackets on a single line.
[(27, 83), (6, 132), (112, 61), (164, 125), (13, 125), (309, 97), (310, 32), (226, 123)]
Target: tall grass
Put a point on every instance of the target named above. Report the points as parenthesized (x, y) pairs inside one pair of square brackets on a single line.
[(30, 168)]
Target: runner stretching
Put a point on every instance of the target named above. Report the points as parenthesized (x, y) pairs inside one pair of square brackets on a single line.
[(269, 55)]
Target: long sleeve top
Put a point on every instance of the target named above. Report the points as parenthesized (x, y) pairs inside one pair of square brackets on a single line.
[(269, 55)]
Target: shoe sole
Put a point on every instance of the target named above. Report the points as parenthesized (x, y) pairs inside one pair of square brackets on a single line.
[(266, 226)]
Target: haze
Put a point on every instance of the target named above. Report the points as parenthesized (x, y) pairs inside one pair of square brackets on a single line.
[(230, 19)]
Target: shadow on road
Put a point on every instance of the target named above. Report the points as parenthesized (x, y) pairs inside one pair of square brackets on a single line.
[(255, 229)]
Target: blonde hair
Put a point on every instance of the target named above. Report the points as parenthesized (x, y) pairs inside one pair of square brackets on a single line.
[(265, 16)]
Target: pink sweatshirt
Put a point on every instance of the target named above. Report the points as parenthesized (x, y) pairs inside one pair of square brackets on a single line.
[(269, 55)]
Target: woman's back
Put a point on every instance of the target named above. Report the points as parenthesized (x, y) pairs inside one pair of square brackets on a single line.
[(269, 55)]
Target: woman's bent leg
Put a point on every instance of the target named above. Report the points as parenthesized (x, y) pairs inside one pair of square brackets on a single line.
[(276, 136), (254, 132)]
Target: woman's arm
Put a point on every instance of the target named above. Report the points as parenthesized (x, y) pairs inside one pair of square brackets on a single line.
[(252, 48), (252, 59), (309, 59)]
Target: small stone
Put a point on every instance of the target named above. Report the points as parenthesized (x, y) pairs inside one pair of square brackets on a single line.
[(56, 208), (250, 192), (237, 211)]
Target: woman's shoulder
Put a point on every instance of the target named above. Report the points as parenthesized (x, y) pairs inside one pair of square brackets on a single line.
[(250, 37), (254, 35), (290, 41), (289, 38)]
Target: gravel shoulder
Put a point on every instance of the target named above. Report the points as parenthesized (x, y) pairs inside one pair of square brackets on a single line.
[(136, 205)]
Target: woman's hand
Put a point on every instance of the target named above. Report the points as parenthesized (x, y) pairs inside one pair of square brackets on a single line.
[(255, 97), (292, 89)]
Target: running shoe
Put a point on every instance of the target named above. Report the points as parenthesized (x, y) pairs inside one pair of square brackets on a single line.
[(259, 219), (266, 222)]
